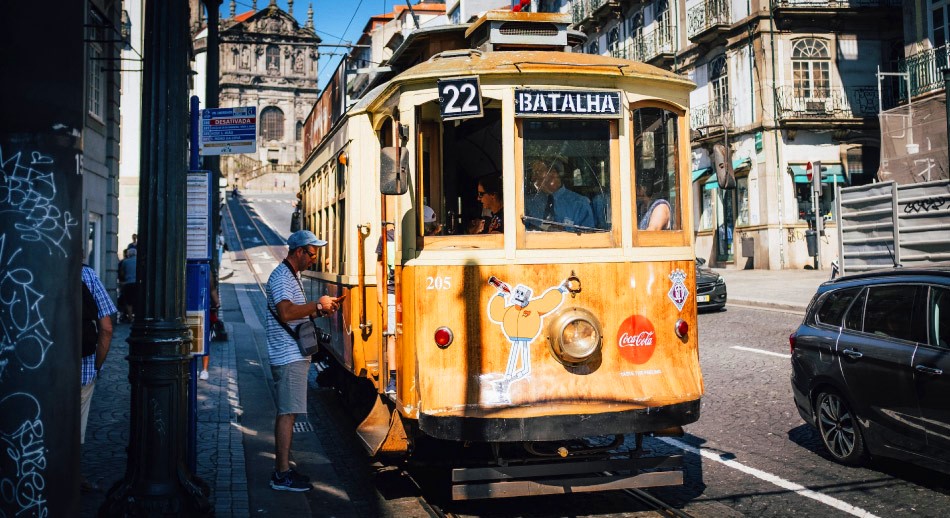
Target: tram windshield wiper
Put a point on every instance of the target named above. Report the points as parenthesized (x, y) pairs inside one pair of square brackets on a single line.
[(545, 224)]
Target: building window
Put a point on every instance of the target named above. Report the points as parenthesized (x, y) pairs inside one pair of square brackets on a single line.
[(719, 82), (593, 47), (811, 66), (272, 123), (95, 88), (273, 58), (613, 42), (742, 198), (938, 22), (862, 164), (298, 133), (706, 209)]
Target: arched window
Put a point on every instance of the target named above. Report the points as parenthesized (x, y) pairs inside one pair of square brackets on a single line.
[(811, 68), (273, 58), (719, 81), (272, 123), (298, 134)]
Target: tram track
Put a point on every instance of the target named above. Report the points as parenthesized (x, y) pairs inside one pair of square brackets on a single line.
[(253, 259)]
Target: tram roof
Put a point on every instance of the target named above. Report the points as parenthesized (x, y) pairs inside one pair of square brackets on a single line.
[(522, 62)]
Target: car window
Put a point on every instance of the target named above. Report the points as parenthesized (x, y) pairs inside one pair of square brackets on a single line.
[(855, 317), (835, 304), (889, 312), (940, 317)]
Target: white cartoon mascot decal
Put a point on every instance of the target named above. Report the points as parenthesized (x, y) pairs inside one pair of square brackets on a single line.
[(520, 318)]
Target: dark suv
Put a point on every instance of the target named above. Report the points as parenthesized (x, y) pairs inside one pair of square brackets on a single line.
[(871, 366)]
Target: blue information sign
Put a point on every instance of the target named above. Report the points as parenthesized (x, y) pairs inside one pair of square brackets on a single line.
[(226, 131)]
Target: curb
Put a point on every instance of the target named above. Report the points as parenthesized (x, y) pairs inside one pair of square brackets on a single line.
[(784, 307)]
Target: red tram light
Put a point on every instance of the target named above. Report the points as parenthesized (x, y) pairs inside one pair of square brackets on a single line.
[(443, 337), (681, 328)]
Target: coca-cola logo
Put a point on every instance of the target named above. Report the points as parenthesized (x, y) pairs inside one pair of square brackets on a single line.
[(641, 339), (636, 339)]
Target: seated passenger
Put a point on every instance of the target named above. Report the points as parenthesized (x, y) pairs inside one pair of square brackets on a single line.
[(599, 204), (430, 226), (553, 202), (493, 219), (654, 214)]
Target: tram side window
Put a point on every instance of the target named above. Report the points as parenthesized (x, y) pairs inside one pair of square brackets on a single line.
[(459, 173), (655, 144), (566, 175)]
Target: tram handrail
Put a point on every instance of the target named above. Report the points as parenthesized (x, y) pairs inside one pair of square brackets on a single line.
[(366, 326)]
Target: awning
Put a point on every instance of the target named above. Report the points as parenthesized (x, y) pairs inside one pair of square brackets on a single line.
[(832, 173), (698, 173), (736, 165)]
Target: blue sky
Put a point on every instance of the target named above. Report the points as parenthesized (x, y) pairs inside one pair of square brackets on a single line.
[(330, 19)]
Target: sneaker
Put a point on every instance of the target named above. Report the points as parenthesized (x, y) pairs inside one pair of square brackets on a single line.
[(203, 376), (391, 386), (290, 480), (300, 475)]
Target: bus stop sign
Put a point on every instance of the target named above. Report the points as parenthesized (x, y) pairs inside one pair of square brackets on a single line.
[(227, 131)]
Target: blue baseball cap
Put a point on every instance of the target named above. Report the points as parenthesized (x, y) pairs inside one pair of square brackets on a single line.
[(303, 238)]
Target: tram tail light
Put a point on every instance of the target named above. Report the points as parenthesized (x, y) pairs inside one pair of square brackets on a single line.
[(681, 328), (443, 337)]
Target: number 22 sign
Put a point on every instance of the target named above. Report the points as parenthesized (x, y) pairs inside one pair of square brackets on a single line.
[(460, 98)]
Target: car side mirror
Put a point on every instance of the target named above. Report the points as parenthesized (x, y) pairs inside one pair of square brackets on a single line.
[(393, 171)]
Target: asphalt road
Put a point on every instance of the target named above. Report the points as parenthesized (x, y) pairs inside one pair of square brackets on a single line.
[(759, 457)]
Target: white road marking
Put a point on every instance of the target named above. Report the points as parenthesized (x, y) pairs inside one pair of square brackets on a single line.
[(257, 268), (773, 479), (760, 351)]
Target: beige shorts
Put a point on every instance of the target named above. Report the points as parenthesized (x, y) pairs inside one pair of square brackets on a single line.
[(291, 383)]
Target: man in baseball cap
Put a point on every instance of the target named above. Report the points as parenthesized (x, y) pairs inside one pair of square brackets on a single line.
[(287, 302)]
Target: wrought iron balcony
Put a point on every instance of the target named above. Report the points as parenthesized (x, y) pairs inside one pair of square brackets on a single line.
[(706, 20), (841, 103), (658, 44), (833, 4), (719, 111), (925, 70), (584, 12)]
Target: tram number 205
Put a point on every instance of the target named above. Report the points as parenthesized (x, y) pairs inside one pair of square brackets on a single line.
[(460, 98), (438, 283)]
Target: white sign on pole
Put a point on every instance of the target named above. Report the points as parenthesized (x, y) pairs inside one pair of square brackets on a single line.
[(198, 216), (228, 131)]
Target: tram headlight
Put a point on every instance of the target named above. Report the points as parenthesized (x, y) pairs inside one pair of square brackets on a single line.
[(575, 336)]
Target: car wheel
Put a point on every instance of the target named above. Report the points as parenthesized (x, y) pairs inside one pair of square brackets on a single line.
[(839, 429)]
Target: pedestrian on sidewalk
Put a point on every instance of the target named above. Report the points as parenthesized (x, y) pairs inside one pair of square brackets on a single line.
[(286, 300), (97, 310)]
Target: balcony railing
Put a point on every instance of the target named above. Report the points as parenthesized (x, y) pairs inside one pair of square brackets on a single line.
[(925, 70), (718, 111), (834, 4), (831, 103), (584, 9), (706, 16), (650, 45)]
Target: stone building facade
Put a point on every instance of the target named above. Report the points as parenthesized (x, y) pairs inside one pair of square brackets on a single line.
[(270, 61), (791, 81)]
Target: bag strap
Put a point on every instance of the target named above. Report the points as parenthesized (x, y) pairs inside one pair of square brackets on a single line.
[(287, 328)]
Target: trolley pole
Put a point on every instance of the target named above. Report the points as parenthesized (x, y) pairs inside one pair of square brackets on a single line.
[(157, 480)]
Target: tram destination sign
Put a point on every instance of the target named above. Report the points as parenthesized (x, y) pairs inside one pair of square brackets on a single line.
[(575, 103), (460, 98), (227, 131)]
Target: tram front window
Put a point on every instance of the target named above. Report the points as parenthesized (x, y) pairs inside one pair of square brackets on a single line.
[(566, 175)]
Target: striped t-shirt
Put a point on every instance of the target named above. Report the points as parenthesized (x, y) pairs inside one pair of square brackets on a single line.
[(282, 285)]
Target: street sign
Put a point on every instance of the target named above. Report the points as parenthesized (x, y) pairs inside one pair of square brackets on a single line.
[(228, 131), (808, 171)]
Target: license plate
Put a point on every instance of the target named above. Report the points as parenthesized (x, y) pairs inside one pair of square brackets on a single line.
[(702, 298)]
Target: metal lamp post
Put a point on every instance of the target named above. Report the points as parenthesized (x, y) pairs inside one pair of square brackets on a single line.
[(157, 480)]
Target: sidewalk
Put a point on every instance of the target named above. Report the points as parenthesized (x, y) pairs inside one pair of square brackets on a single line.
[(235, 409), (783, 290)]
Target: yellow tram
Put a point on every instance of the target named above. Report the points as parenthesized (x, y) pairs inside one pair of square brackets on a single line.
[(541, 257)]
